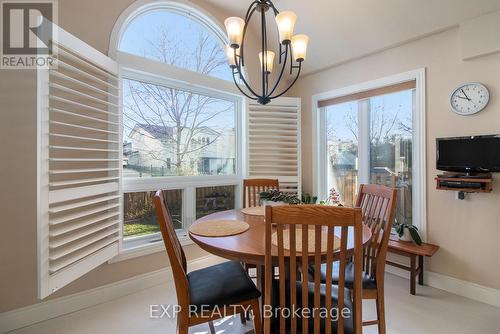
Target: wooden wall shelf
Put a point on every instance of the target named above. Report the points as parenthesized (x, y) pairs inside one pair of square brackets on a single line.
[(484, 183)]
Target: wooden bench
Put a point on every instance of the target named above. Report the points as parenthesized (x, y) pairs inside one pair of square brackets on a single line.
[(411, 250)]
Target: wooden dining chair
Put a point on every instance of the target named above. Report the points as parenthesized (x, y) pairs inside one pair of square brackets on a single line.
[(253, 187), (251, 197), (225, 286), (312, 227), (378, 204)]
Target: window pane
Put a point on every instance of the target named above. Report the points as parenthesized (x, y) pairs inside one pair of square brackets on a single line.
[(342, 150), (176, 40), (171, 132), (391, 144), (213, 199), (139, 217)]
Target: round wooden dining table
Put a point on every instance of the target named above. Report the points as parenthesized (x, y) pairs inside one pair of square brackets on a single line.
[(249, 246)]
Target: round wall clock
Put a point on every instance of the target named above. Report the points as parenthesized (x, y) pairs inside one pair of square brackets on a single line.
[(469, 98)]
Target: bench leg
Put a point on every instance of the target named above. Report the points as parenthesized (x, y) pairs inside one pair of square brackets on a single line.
[(413, 273), (421, 273)]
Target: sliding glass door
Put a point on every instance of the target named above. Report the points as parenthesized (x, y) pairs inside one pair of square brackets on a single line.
[(342, 151), (369, 139)]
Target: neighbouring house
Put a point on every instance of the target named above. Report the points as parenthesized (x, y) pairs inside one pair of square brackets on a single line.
[(159, 149)]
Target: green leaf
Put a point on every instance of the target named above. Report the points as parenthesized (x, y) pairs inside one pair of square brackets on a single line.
[(400, 230), (415, 236)]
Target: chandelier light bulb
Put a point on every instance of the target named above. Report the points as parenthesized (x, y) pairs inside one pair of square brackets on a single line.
[(268, 61), (286, 22), (230, 55), (299, 47), (234, 27)]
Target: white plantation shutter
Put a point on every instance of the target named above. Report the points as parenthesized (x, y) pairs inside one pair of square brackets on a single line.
[(273, 142), (79, 138)]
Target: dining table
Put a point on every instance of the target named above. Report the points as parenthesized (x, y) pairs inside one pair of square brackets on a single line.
[(249, 246)]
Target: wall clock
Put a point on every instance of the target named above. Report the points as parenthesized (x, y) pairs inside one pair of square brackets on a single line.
[(469, 98)]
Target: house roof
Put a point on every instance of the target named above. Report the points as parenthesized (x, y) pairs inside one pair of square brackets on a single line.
[(156, 131), (164, 132)]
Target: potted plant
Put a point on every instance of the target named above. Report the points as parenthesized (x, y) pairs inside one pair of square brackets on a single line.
[(276, 197), (333, 198), (408, 232), (308, 199)]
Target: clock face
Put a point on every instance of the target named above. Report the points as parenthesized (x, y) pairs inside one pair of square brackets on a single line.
[(469, 99)]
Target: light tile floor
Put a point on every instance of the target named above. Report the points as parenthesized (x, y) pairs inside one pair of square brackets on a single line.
[(430, 311)]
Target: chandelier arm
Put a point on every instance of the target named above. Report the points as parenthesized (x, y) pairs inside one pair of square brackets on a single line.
[(266, 55), (238, 66), (264, 51), (270, 4), (248, 16), (240, 89), (293, 82), (283, 66), (250, 10)]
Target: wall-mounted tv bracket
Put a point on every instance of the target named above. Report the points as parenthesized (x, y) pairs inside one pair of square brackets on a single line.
[(464, 184)]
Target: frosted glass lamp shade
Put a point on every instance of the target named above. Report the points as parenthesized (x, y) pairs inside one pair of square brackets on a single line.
[(285, 21), (234, 27), (268, 60), (230, 55), (299, 47)]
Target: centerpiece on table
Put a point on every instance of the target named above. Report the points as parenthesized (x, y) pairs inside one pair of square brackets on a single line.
[(275, 197)]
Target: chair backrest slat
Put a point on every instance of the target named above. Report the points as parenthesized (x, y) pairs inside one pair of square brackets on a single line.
[(293, 278), (305, 280), (253, 187), (342, 265), (297, 227), (174, 249), (328, 281), (378, 204)]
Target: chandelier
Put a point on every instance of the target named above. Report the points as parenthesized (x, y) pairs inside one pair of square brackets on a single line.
[(292, 50)]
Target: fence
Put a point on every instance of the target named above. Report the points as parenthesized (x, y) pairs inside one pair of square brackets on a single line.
[(347, 186)]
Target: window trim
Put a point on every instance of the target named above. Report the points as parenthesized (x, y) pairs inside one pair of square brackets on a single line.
[(419, 142), (148, 70)]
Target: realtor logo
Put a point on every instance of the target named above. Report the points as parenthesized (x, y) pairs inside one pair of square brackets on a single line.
[(27, 34)]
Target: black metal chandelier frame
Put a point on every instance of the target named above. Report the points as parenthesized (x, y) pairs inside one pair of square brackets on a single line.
[(285, 53)]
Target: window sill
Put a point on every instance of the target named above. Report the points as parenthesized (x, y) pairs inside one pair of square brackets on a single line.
[(131, 253)]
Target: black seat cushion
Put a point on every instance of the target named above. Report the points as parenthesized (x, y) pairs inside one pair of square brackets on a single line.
[(367, 281), (348, 321), (223, 284)]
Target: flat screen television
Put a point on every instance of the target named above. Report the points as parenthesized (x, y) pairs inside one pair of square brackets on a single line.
[(472, 154)]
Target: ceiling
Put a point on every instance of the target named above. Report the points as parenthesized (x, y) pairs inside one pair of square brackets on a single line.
[(341, 30)]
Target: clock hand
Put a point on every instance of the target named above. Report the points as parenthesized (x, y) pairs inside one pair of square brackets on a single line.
[(468, 99), (464, 98)]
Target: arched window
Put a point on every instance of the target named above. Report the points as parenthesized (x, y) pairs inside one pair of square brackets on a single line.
[(176, 91), (177, 40)]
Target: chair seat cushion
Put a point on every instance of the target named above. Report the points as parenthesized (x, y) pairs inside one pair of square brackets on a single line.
[(223, 284), (348, 308), (368, 282)]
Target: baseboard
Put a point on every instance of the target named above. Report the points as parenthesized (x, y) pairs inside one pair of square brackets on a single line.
[(453, 285), (42, 311), (466, 289)]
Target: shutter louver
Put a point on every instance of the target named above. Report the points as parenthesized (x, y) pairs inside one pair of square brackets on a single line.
[(79, 163), (273, 142)]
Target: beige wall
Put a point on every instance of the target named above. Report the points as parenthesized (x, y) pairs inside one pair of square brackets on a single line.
[(91, 21), (466, 230)]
